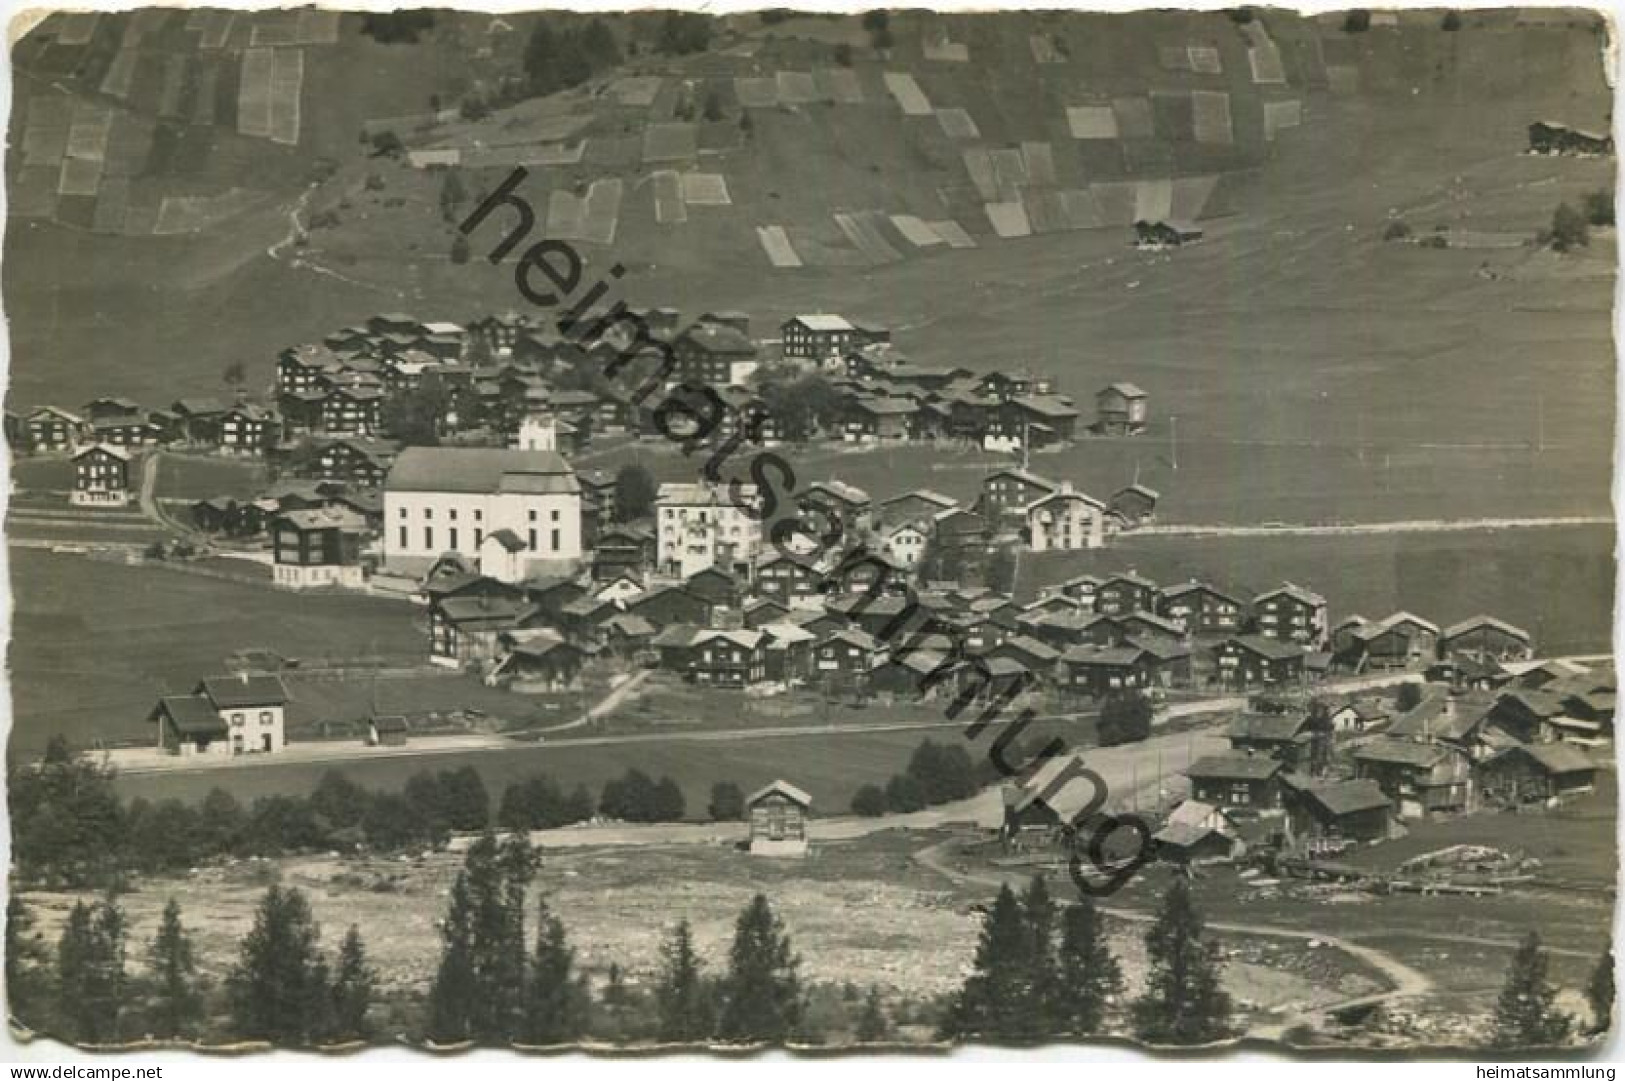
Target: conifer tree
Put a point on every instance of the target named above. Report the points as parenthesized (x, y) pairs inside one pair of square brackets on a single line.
[(761, 994), (682, 997), (278, 990), (177, 1001), (1183, 1002), (873, 1026), (90, 973), (353, 985), (993, 1003), (1043, 996), (28, 976), (1087, 975), (552, 1009), (1526, 1014), (479, 989), (1600, 991)]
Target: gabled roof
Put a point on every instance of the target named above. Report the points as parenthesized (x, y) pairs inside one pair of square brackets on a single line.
[(1444, 716), (1196, 586), (851, 636), (1127, 390), (1109, 657), (677, 634), (840, 490), (230, 692), (1141, 489), (630, 624), (1234, 767), (1047, 405), (190, 715), (1269, 648), (1401, 752), (784, 788), (507, 538), (481, 470), (340, 518), (1475, 622), (823, 322), (1274, 727), (1296, 592), (1555, 758), (1347, 797), (1024, 475), (103, 448), (748, 639), (1368, 631)]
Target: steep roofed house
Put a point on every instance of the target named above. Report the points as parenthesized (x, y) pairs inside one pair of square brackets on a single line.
[(1401, 640), (1420, 779), (904, 543), (111, 408), (961, 533), (1252, 661), (315, 548), (466, 630), (1006, 493), (446, 499), (665, 605), (843, 659), (1536, 773), (199, 419), (352, 409), (1098, 671), (1127, 592), (1080, 588), (363, 463), (1460, 720), (795, 583), (1294, 739), (622, 550), (249, 430), (301, 369), (778, 815), (1486, 638), (253, 708), (1065, 520), (918, 505), (1030, 422), (837, 500), (189, 725), (1334, 812), (47, 429), (1234, 781), (133, 432), (538, 660), (1167, 662), (710, 354), (876, 419), (1120, 409), (101, 477), (728, 658), (1199, 608), (1290, 613), (700, 525), (820, 336), (1134, 505)]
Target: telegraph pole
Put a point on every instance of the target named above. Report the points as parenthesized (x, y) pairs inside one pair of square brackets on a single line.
[(1173, 440)]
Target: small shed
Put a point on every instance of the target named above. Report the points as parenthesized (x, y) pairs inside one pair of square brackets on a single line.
[(387, 731), (778, 816), (1532, 773)]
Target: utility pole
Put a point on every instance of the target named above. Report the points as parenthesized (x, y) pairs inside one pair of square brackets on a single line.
[(1173, 440)]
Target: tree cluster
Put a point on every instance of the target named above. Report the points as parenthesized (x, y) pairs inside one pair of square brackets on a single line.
[(1040, 971), (804, 403), (538, 803), (559, 57), (397, 27), (636, 797), (682, 33), (936, 773), (1125, 717)]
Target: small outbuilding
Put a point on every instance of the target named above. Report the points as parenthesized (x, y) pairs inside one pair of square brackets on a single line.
[(778, 816), (386, 731), (1536, 772)]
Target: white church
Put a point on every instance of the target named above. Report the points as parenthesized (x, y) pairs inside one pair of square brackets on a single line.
[(515, 512)]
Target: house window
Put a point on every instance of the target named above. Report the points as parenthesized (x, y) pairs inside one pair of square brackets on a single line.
[(428, 537), (453, 544), (428, 512), (479, 537), (479, 516), (237, 719), (533, 540), (265, 716), (555, 540), (403, 512), (555, 516), (452, 514), (533, 515), (403, 534)]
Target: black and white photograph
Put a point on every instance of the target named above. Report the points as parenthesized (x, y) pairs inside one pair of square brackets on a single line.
[(902, 530)]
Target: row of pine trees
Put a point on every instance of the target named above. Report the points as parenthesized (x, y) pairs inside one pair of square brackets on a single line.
[(1042, 971)]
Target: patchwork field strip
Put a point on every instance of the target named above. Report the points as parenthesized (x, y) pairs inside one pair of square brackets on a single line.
[(76, 28), (1281, 115), (1039, 159), (814, 247), (1212, 117), (45, 139), (979, 164), (1009, 219), (757, 93), (480, 157), (1009, 174), (89, 131), (112, 205), (957, 124), (863, 230), (952, 233), (839, 85), (938, 48), (1043, 49), (1091, 122), (33, 193), (169, 98), (1191, 195), (566, 215), (637, 91), (915, 231), (669, 142), (149, 20), (1134, 118), (1154, 200), (254, 94), (120, 73), (776, 243), (1114, 202), (797, 87), (1263, 56), (908, 94), (669, 206), (317, 27), (190, 213), (1046, 212), (602, 211), (203, 100), (437, 156), (705, 189), (1172, 117), (1174, 57), (287, 78), (1205, 60), (128, 146), (1082, 209), (79, 176), (274, 28)]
